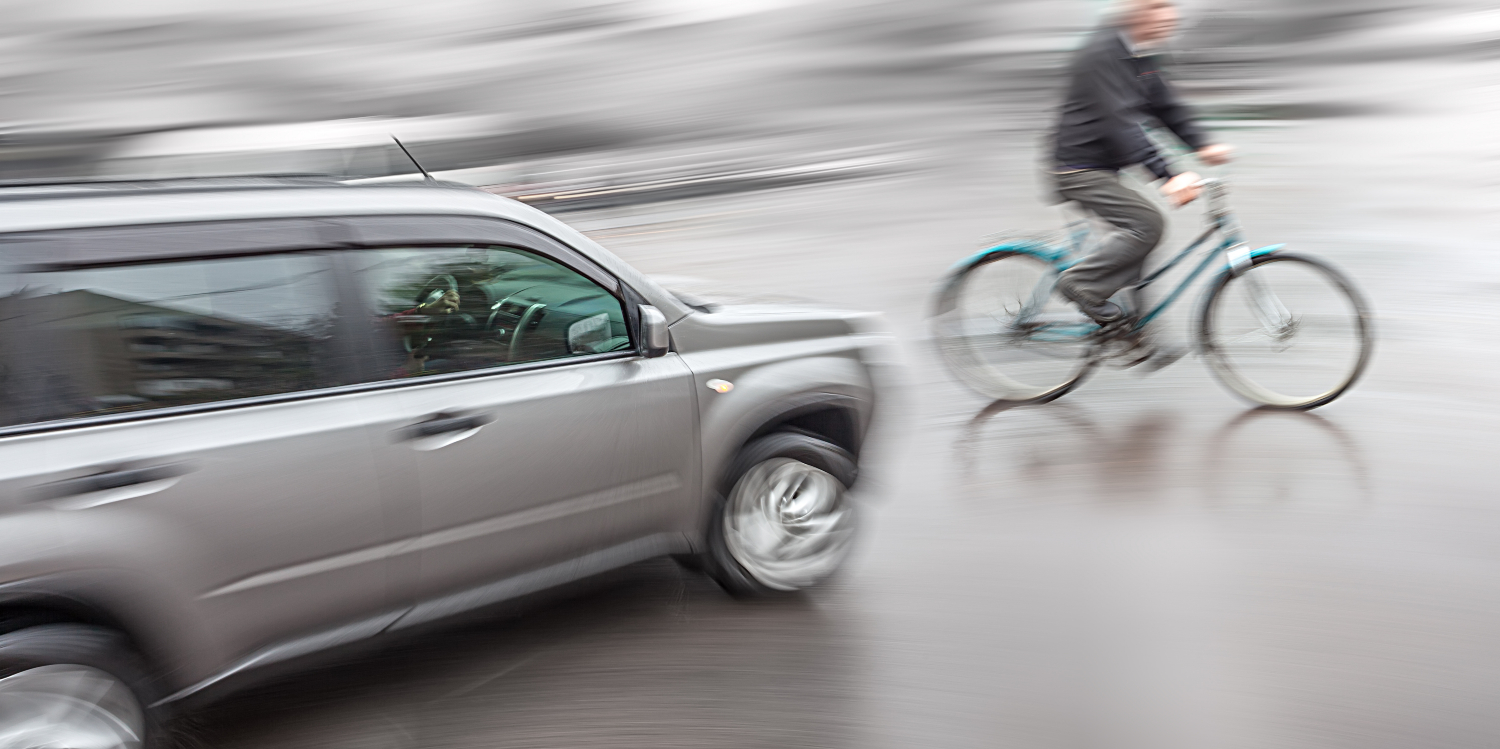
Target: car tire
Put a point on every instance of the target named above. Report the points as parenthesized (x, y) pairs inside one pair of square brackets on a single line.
[(87, 681), (782, 521)]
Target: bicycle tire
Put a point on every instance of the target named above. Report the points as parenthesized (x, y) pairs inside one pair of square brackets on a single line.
[(1231, 369), (960, 352)]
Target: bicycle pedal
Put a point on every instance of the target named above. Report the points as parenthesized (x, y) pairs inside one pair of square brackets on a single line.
[(1156, 359), (1162, 358), (1117, 330)]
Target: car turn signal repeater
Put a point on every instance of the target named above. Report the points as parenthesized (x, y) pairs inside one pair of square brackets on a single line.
[(720, 386)]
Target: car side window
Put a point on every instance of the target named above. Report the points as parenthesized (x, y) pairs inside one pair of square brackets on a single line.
[(112, 339), (439, 310)]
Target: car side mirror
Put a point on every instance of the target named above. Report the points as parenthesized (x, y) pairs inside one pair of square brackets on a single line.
[(656, 340)]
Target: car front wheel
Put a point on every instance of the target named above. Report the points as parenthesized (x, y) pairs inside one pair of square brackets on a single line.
[(786, 523)]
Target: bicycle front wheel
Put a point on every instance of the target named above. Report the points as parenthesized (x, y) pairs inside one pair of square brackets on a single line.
[(1288, 332), (1006, 334)]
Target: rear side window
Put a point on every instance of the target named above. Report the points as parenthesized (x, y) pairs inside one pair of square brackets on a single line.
[(127, 338), (438, 310)]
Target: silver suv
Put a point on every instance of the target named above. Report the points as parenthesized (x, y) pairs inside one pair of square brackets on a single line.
[(244, 421)]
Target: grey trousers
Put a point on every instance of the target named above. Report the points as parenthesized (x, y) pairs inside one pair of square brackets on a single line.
[(1120, 258)]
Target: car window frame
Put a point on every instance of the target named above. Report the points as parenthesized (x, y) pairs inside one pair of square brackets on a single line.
[(68, 249), (330, 237)]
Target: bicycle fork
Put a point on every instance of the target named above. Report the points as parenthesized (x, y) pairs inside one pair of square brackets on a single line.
[(1275, 319)]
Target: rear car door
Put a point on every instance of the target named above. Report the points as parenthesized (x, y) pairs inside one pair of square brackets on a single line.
[(181, 418), (542, 445)]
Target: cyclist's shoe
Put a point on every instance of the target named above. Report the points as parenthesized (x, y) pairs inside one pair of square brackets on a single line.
[(1104, 313)]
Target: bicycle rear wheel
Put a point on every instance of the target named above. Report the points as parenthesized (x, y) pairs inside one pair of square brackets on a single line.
[(1005, 333), (1288, 332)]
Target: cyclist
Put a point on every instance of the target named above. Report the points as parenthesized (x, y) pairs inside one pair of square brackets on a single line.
[(1116, 87)]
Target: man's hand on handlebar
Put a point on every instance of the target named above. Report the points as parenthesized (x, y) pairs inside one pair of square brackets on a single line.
[(1182, 189), (1216, 155)]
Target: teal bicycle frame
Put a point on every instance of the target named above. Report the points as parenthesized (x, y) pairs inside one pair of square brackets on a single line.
[(1229, 251)]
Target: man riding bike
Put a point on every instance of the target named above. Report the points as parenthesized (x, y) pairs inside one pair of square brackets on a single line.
[(1116, 87)]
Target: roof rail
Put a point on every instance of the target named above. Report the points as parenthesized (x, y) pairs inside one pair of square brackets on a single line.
[(60, 187)]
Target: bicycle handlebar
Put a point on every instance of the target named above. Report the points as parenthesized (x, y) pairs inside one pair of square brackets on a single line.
[(1218, 213), (1217, 194)]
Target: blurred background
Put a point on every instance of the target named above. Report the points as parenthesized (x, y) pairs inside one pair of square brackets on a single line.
[(1145, 564)]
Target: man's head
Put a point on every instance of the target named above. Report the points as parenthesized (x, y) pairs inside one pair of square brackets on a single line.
[(1148, 22)]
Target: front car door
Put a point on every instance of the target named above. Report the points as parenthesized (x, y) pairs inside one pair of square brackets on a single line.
[(542, 445)]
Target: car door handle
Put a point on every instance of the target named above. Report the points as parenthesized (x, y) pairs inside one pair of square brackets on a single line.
[(445, 424), (110, 480)]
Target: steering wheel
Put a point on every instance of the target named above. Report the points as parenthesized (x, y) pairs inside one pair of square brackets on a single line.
[(532, 314)]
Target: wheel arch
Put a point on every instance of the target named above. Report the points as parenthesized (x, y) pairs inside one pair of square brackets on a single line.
[(832, 417), (837, 418), (22, 607), (166, 642)]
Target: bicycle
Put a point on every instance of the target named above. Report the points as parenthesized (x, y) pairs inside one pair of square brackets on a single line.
[(1281, 330)]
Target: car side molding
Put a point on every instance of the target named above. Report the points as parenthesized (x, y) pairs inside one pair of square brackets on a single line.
[(578, 568)]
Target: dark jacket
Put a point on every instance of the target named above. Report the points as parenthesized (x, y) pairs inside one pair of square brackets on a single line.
[(1111, 95)]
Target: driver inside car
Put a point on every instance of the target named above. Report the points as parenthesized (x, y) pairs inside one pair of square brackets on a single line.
[(436, 305)]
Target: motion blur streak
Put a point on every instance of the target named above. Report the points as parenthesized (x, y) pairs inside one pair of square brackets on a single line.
[(1144, 564)]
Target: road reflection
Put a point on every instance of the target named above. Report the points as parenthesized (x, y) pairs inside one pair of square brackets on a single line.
[(1254, 459), (1055, 445), (1288, 459)]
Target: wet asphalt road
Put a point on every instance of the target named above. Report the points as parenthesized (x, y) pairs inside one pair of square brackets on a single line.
[(1145, 563)]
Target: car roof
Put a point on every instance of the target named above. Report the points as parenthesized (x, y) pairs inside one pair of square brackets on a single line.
[(75, 205), (295, 137), (58, 206)]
